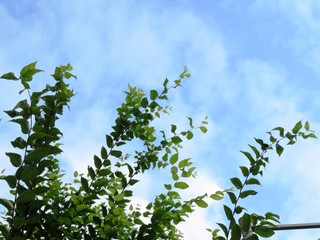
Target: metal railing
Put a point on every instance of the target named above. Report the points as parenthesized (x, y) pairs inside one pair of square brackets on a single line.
[(295, 226)]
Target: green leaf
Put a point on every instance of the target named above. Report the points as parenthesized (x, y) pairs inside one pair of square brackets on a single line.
[(218, 195), (245, 222), (144, 102), (153, 94), (244, 170), (174, 158), (173, 128), (253, 181), (116, 153), (203, 129), (281, 131), (190, 122), (133, 181), (189, 135), (109, 141), (84, 184), (24, 124), (255, 150), (19, 142), (104, 153), (28, 71), (228, 212), (236, 182), (28, 173), (11, 180), (15, 159), (184, 163), (9, 76), (297, 127), (91, 172), (252, 237), (201, 203), (26, 196), (249, 157), (223, 228), (97, 161), (247, 193), (40, 153), (307, 126), (263, 231), (279, 149), (232, 197), (41, 190), (8, 204), (235, 232), (176, 139), (181, 185)]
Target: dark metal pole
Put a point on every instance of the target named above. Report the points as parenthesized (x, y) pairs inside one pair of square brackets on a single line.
[(295, 226)]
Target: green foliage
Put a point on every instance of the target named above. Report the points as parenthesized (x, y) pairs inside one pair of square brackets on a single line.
[(243, 225), (96, 205)]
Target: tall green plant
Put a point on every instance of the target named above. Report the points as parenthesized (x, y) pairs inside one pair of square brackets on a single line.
[(97, 205)]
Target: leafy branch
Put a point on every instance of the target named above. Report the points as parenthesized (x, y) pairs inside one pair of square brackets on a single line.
[(251, 226)]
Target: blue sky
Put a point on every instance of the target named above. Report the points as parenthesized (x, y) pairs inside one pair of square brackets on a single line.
[(254, 66)]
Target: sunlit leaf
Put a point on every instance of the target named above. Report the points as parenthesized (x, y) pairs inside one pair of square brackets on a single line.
[(201, 203), (297, 127), (174, 158), (181, 185)]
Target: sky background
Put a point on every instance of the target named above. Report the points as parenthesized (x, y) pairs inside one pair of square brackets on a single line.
[(254, 66)]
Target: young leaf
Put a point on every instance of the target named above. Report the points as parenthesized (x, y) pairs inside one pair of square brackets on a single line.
[(181, 185), (28, 71), (189, 135), (203, 129), (297, 127), (217, 195), (153, 94), (174, 158), (190, 122), (176, 139), (201, 203), (9, 76)]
